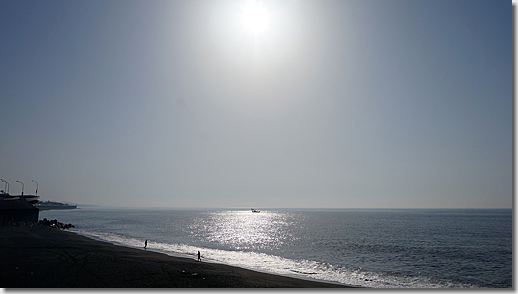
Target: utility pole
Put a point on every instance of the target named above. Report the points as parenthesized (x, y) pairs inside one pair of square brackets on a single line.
[(36, 186), (6, 188), (22, 186)]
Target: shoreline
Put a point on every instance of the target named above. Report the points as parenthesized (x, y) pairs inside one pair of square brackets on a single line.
[(211, 261), (41, 257)]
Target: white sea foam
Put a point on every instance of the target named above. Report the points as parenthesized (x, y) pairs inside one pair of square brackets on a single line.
[(305, 269)]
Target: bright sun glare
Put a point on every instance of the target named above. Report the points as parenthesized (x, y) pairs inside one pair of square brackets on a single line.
[(255, 17)]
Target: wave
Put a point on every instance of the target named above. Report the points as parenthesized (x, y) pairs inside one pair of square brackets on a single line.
[(302, 268)]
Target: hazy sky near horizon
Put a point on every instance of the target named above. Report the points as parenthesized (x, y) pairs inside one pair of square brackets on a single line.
[(336, 104)]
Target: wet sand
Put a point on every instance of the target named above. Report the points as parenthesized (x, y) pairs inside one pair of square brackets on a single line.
[(41, 257)]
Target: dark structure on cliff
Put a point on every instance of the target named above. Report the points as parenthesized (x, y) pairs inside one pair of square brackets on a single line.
[(16, 211)]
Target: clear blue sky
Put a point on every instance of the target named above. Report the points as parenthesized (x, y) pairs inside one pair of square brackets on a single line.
[(338, 104)]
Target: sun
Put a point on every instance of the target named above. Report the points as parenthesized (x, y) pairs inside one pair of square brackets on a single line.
[(255, 17)]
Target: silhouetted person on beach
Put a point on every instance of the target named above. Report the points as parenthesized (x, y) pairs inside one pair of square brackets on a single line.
[(199, 256), (145, 244)]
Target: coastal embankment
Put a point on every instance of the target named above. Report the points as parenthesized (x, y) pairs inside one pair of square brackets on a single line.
[(42, 257)]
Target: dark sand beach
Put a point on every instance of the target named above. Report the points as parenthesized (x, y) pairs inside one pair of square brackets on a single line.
[(42, 257)]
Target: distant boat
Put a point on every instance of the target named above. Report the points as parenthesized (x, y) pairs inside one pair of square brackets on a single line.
[(255, 210)]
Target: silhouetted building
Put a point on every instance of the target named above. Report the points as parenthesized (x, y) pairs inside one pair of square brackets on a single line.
[(18, 210)]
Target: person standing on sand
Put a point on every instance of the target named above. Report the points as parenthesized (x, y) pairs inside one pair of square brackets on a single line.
[(199, 256), (145, 244)]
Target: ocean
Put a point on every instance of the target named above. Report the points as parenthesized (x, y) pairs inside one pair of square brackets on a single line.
[(379, 248)]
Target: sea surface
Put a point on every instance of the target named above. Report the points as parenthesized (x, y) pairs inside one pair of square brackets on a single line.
[(380, 248)]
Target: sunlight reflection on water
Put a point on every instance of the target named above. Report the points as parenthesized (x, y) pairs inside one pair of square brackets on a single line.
[(243, 230)]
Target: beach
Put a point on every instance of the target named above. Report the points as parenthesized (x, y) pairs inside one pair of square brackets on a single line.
[(42, 257)]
